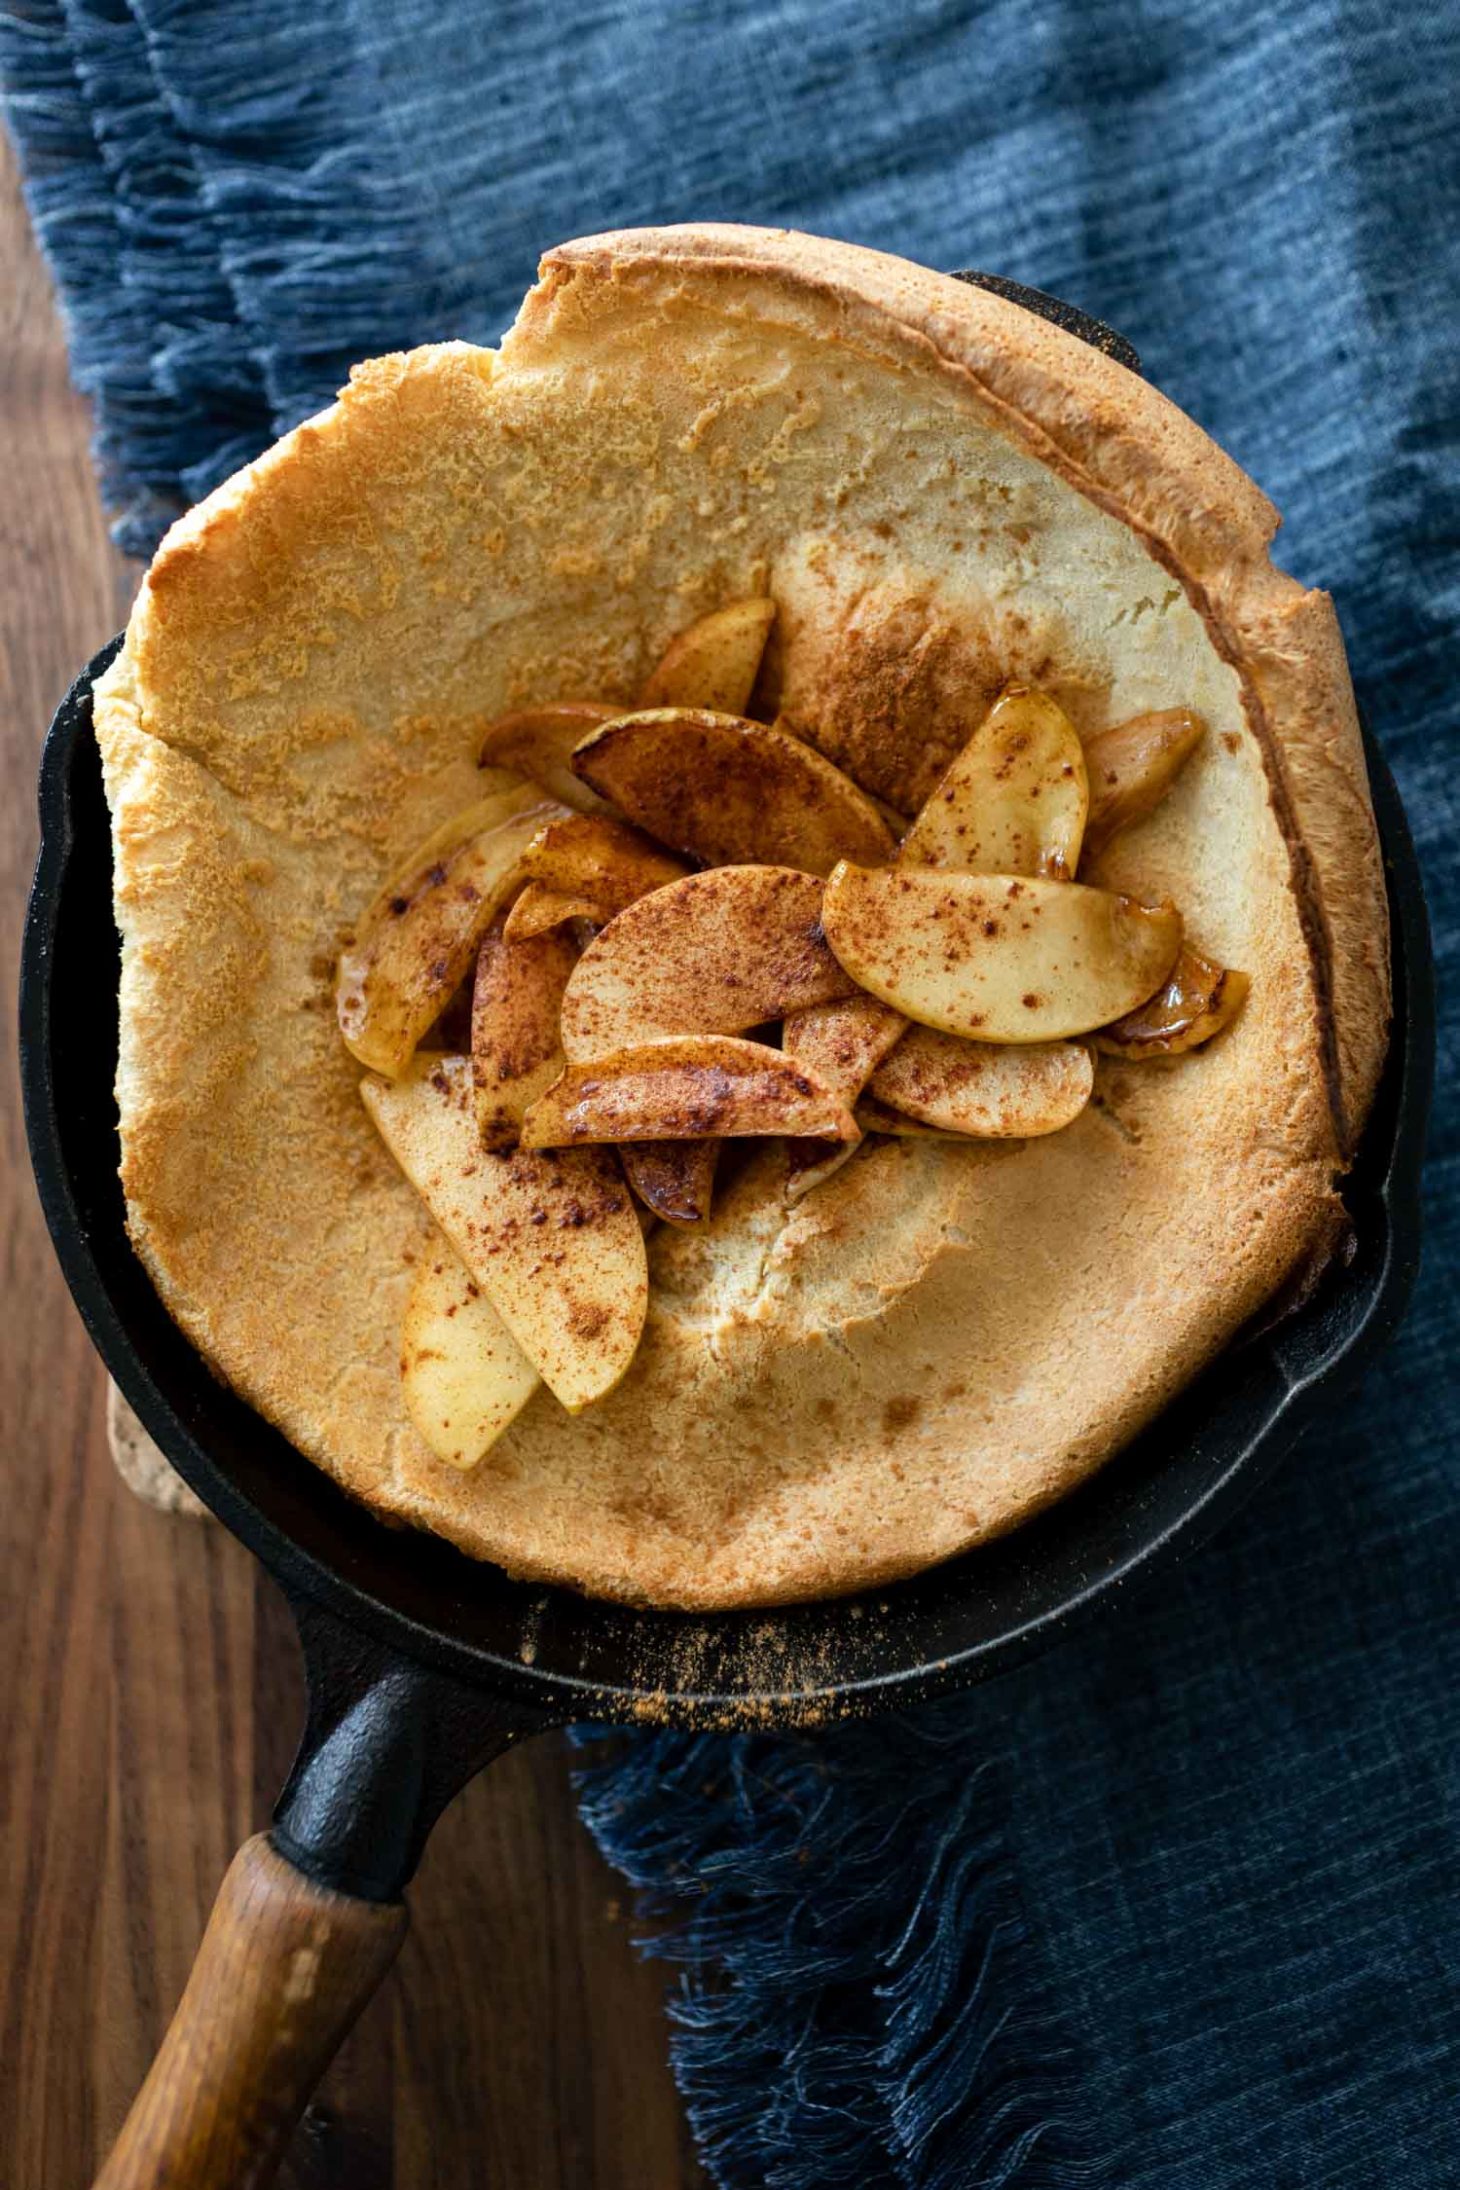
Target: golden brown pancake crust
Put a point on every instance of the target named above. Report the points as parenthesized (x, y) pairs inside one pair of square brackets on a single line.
[(940, 492)]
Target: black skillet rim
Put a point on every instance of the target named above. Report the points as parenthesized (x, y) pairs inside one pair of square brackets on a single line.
[(1154, 1502)]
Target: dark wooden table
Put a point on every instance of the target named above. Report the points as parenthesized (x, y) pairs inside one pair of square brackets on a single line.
[(150, 1689)]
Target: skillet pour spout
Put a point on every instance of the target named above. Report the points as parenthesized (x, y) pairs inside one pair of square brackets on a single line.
[(423, 1666)]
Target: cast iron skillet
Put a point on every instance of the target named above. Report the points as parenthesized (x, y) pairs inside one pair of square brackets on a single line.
[(423, 1665)]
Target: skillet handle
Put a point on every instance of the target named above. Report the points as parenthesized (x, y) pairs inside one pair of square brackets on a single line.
[(310, 1916), (285, 1968)]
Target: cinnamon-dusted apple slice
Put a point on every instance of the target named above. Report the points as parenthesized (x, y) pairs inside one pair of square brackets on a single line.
[(552, 1237), (536, 908), (415, 943), (686, 1088), (992, 1091), (999, 958), (812, 1162), (1198, 1000), (1013, 801), (1132, 766), (515, 1051), (603, 862), (596, 867), (843, 1042), (675, 1179), (464, 1377), (873, 1116), (712, 954), (716, 661), (728, 790), (538, 742), (487, 812)]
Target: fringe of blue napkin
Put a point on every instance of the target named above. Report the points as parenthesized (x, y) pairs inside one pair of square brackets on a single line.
[(863, 2004), (1172, 1909)]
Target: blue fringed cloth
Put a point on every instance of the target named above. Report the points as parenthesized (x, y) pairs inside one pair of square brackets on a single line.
[(1174, 1908)]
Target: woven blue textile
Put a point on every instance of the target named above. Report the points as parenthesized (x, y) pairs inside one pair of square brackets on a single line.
[(1174, 1908)]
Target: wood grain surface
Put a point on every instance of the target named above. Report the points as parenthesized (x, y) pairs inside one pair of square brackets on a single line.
[(285, 1968), (150, 1693)]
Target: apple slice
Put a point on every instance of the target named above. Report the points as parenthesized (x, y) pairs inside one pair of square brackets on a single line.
[(464, 1378), (716, 661), (538, 742), (1017, 790), (727, 790), (676, 1179), (414, 944), (685, 1089), (1005, 958), (983, 1089), (712, 954), (1197, 1002), (536, 909), (1133, 766), (811, 1162), (488, 812), (602, 861), (515, 1051), (875, 1117), (553, 1239), (587, 867), (843, 1042), (1013, 801)]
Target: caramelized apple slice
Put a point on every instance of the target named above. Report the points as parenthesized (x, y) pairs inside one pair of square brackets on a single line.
[(602, 861), (727, 790), (843, 1042), (676, 1179), (552, 1238), (812, 1162), (538, 742), (589, 868), (1013, 801), (875, 1117), (1002, 958), (488, 812), (1197, 1002), (415, 943), (464, 1378), (1017, 790), (994, 1093), (712, 954), (716, 661), (515, 1052), (1133, 766), (536, 909), (685, 1089)]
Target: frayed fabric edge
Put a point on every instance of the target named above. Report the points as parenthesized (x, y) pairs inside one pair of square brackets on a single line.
[(860, 1999), (73, 211), (211, 413), (327, 254)]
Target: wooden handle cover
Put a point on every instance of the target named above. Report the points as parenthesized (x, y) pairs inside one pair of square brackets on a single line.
[(284, 1969)]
